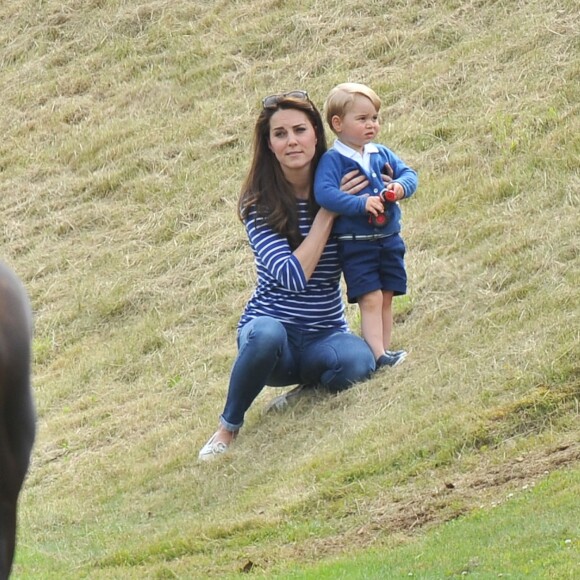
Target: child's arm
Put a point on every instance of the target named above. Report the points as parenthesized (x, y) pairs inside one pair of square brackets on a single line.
[(405, 179), (327, 190)]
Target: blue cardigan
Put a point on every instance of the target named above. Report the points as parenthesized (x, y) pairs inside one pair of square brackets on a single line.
[(353, 218)]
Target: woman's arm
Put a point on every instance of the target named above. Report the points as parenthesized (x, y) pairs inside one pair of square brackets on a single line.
[(292, 270), (309, 251)]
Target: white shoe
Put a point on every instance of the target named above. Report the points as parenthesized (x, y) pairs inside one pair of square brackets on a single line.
[(282, 401), (213, 448)]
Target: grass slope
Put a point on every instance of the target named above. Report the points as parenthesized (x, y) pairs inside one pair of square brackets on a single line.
[(503, 542), (126, 133)]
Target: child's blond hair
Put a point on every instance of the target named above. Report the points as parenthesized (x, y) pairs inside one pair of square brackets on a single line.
[(342, 96)]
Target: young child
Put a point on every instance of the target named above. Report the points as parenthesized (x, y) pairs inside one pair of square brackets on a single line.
[(369, 223)]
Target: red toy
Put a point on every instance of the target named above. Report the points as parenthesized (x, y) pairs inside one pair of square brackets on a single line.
[(380, 221), (388, 195)]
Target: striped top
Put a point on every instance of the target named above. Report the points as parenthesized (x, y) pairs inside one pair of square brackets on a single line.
[(282, 291)]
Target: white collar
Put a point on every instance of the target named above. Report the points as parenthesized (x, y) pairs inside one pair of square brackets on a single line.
[(364, 159), (350, 152)]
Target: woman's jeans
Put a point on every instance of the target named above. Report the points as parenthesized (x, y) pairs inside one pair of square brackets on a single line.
[(270, 353)]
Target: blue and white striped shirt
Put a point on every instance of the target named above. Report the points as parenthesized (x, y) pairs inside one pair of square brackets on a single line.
[(282, 291)]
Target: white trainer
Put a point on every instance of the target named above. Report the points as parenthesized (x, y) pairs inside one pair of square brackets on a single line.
[(282, 401), (213, 448)]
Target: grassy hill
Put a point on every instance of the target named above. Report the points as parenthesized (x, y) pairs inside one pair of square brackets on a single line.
[(126, 133)]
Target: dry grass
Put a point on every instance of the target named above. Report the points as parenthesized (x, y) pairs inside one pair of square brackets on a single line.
[(126, 134)]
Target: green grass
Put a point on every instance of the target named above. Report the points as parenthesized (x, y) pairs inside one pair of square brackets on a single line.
[(126, 135), (502, 542)]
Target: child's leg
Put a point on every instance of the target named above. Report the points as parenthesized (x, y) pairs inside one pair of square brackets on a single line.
[(387, 319), (371, 305), (390, 358)]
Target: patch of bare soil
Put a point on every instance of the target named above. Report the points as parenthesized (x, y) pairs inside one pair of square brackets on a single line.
[(408, 510), (403, 512)]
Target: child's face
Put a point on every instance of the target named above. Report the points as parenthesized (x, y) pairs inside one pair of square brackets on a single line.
[(359, 125)]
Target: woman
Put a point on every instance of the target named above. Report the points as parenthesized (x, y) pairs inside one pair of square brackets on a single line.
[(293, 328)]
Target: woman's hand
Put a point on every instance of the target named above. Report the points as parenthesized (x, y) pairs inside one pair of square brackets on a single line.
[(387, 174), (353, 182)]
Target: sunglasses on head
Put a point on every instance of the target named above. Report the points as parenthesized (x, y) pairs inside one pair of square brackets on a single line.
[(273, 100)]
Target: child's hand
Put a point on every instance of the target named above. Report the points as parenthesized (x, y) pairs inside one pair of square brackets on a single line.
[(397, 189), (374, 205)]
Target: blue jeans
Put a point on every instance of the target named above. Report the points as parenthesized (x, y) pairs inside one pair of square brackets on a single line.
[(270, 353)]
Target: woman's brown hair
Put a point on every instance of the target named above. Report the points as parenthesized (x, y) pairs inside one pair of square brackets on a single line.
[(265, 186)]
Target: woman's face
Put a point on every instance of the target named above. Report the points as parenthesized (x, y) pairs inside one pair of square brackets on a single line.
[(292, 140)]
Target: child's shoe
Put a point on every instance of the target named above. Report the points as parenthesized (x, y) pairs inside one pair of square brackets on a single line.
[(391, 358)]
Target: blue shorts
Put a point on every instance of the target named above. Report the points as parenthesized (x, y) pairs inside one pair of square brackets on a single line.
[(373, 265)]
